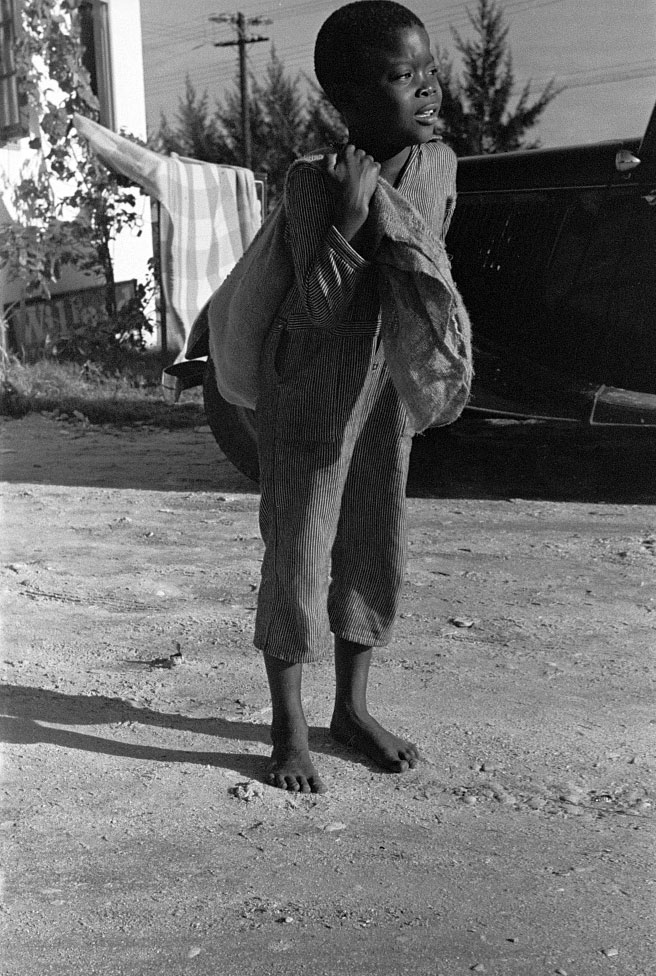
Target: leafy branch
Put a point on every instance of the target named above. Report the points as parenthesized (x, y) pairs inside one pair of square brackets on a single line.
[(68, 207)]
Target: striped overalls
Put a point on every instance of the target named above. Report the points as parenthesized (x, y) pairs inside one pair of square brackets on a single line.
[(334, 438)]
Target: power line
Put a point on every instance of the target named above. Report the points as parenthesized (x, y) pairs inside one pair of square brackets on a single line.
[(444, 18), (295, 56), (645, 64), (640, 70), (612, 79), (152, 35), (453, 14)]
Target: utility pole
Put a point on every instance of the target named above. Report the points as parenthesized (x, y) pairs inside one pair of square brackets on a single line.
[(242, 24)]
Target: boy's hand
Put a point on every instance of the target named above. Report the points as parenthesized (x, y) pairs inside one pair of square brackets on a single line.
[(355, 174)]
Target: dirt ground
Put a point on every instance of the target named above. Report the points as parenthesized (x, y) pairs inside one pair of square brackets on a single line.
[(138, 836)]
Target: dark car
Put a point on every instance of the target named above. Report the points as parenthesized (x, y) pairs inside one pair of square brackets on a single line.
[(554, 252)]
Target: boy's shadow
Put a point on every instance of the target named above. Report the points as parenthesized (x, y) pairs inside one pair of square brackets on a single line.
[(24, 708)]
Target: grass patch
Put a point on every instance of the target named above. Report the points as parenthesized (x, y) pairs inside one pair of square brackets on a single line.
[(121, 392)]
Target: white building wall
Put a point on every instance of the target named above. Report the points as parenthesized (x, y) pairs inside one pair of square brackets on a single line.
[(131, 253)]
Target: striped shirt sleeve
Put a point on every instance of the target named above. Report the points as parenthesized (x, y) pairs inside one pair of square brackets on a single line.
[(327, 268)]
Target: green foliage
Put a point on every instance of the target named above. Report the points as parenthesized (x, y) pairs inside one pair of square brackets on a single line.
[(285, 123), (476, 114), (69, 207), (195, 134), (93, 337)]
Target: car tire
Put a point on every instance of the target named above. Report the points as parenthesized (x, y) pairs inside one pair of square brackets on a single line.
[(233, 427)]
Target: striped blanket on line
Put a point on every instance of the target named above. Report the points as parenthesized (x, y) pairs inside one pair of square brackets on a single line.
[(209, 216)]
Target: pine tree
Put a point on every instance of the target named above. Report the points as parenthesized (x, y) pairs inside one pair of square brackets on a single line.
[(277, 115), (285, 123), (476, 114), (194, 132)]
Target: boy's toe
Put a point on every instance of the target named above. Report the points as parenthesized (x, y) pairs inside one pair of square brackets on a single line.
[(410, 753)]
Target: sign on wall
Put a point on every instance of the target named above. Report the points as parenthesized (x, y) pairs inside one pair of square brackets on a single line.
[(37, 325)]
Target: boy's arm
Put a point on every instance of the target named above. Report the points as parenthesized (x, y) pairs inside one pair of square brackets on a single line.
[(327, 267)]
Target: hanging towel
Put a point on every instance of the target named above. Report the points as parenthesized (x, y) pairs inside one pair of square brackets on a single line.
[(209, 216)]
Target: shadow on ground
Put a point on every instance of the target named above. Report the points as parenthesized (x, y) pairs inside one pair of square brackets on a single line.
[(538, 460), (32, 715), (475, 458)]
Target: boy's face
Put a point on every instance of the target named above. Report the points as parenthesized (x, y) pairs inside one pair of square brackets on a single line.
[(398, 106)]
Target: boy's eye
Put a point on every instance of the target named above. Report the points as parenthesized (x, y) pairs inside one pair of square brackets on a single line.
[(404, 75)]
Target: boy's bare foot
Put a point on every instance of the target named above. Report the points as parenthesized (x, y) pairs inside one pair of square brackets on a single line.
[(363, 732), (291, 767)]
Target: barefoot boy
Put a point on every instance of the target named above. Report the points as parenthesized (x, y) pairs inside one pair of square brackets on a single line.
[(334, 437)]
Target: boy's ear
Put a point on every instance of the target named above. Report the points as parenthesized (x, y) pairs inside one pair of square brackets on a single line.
[(342, 98)]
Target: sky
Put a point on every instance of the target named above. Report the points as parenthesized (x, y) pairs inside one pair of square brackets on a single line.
[(602, 51)]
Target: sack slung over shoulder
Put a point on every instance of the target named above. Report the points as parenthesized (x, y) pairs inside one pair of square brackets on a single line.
[(242, 311)]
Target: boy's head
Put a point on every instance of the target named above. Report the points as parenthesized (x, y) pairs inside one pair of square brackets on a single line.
[(374, 62), (350, 39)]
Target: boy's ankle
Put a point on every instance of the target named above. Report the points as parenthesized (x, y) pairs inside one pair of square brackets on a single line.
[(290, 728), (349, 710)]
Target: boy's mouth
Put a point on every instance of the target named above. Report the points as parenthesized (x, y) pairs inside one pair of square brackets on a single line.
[(428, 114)]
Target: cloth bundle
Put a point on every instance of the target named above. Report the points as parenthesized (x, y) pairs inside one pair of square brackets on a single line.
[(244, 307), (426, 331)]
